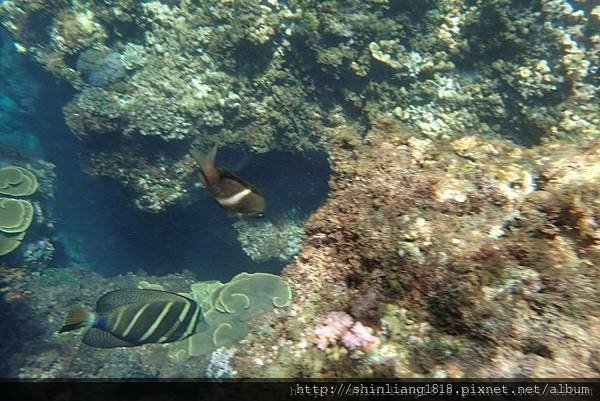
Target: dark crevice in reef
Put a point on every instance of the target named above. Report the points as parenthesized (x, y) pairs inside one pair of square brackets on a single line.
[(200, 236), (100, 228)]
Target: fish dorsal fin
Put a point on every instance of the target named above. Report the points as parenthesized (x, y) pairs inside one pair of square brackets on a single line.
[(223, 172), (103, 339), (207, 164), (204, 158), (119, 298)]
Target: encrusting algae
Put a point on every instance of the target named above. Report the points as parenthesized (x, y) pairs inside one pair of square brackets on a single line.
[(444, 249), (465, 258), (261, 76)]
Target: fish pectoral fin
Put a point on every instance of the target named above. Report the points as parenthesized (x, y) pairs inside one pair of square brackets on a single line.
[(98, 338)]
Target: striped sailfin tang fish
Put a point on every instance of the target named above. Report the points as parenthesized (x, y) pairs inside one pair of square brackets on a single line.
[(126, 318)]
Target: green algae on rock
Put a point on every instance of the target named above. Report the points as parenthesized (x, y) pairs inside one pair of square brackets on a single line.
[(17, 181)]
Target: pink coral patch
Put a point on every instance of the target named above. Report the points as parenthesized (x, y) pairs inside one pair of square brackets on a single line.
[(340, 326)]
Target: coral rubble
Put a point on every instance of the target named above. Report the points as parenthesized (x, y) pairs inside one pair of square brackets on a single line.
[(464, 257)]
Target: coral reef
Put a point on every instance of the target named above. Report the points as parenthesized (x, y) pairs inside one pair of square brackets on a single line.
[(10, 242), (262, 75), (38, 254), (264, 240), (17, 181), (228, 309), (218, 366), (446, 247), (16, 215), (32, 216), (339, 326), (101, 69), (468, 257), (36, 303)]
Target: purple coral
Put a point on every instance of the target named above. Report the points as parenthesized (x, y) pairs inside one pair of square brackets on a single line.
[(340, 326), (359, 336)]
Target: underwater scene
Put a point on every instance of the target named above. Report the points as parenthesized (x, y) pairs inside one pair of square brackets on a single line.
[(299, 188)]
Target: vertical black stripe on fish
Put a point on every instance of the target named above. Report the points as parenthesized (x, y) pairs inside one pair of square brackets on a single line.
[(192, 325), (145, 320), (139, 312), (114, 320), (167, 323), (168, 337), (127, 315), (182, 327), (154, 326)]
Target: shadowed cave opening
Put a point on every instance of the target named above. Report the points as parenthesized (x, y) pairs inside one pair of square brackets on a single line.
[(99, 228), (113, 237)]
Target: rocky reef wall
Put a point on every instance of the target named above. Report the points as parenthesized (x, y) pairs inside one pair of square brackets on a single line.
[(261, 75), (461, 234), (455, 258)]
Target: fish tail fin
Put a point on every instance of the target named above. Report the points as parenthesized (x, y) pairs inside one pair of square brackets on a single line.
[(78, 318), (206, 162)]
